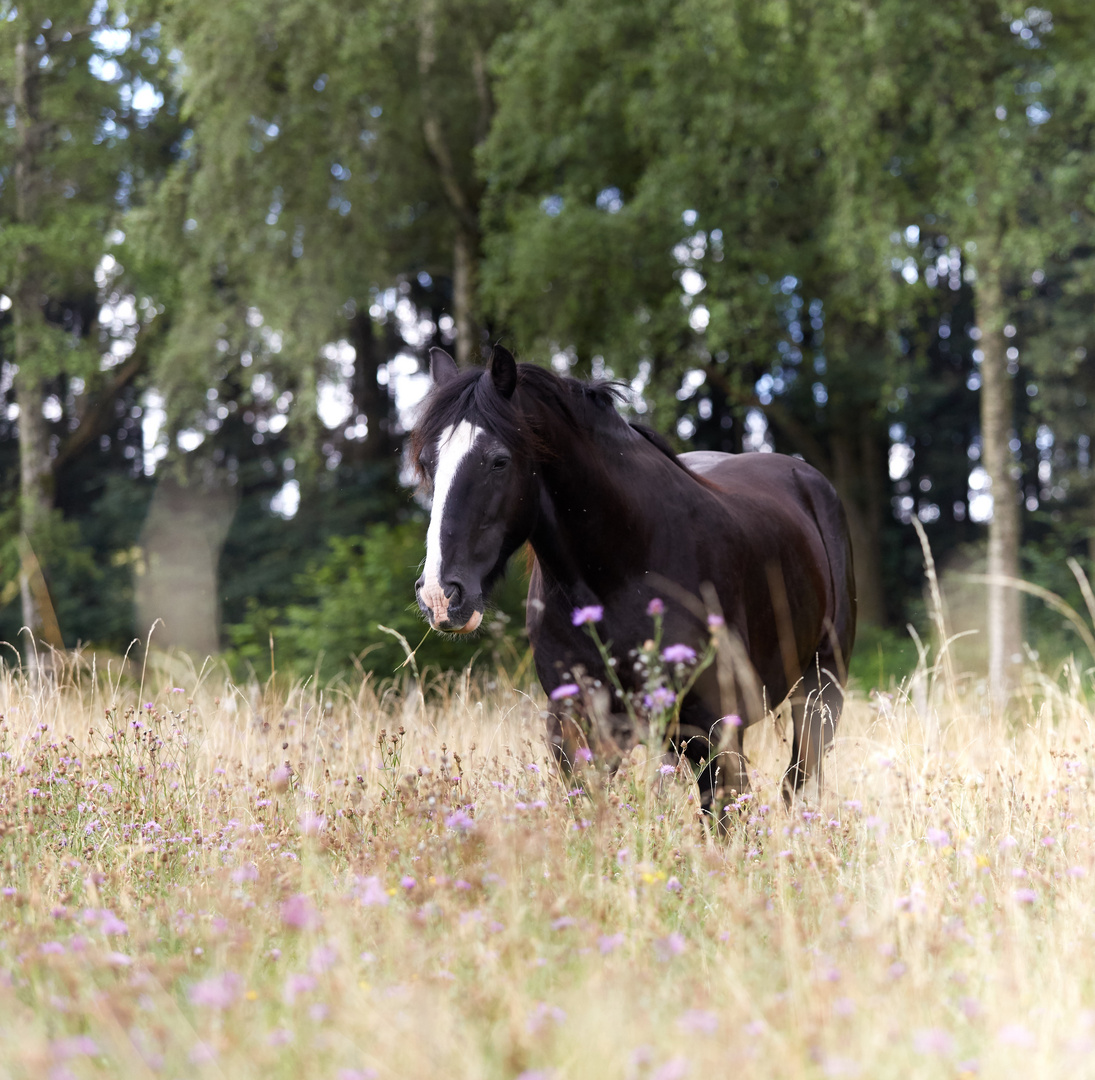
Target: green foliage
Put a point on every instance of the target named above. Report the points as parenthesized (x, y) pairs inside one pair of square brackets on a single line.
[(88, 563), (882, 658), (365, 583)]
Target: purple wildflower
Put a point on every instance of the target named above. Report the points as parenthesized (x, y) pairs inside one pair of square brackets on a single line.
[(407, 881), (111, 925), (74, 1046), (661, 698), (296, 985), (715, 621), (567, 690), (592, 613), (939, 838), (298, 913), (460, 820), (312, 824), (656, 607), (541, 1013), (219, 992), (670, 946), (1024, 896), (584, 754), (609, 942), (667, 769), (679, 654), (732, 719), (676, 1068), (370, 892), (322, 959)]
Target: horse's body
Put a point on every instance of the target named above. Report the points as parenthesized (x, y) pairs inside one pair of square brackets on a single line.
[(616, 520)]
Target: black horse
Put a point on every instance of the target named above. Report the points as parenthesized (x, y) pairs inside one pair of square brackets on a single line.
[(615, 519)]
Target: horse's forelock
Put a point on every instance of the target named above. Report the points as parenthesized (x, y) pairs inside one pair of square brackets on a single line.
[(525, 423)]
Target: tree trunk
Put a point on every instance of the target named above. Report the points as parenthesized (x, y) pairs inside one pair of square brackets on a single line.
[(1005, 634), (464, 205), (370, 398), (854, 468), (35, 467), (463, 294)]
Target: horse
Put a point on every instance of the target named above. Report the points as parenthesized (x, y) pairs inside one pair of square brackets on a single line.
[(753, 545)]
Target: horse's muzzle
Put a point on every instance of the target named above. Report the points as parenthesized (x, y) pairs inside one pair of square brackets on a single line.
[(449, 609)]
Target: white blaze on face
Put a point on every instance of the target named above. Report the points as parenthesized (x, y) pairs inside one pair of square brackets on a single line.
[(454, 445)]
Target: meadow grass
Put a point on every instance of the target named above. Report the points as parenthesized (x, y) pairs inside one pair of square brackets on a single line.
[(208, 880)]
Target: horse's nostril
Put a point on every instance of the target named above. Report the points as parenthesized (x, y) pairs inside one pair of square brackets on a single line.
[(454, 593)]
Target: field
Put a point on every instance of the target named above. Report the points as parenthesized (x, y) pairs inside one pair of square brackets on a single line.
[(206, 880)]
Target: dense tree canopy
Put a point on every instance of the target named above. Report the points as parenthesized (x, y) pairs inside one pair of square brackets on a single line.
[(859, 232)]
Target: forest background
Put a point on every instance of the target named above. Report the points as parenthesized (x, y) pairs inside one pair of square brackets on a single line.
[(856, 230)]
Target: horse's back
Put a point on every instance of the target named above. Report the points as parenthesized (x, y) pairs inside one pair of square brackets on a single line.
[(757, 482)]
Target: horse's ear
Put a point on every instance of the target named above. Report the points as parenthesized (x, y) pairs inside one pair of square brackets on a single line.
[(503, 371), (442, 367)]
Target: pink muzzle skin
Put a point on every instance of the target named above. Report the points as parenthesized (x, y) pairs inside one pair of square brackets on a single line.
[(471, 625), (437, 604)]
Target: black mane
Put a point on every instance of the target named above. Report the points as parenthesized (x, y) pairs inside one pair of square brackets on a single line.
[(542, 401)]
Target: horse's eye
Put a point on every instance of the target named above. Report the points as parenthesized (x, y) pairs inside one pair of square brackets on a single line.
[(499, 464)]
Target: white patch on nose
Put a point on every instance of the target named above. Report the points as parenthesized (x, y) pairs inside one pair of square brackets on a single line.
[(454, 445)]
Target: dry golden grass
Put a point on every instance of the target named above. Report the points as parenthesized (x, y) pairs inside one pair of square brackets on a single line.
[(178, 903)]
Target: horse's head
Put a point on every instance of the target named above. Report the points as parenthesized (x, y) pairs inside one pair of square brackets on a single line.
[(470, 446)]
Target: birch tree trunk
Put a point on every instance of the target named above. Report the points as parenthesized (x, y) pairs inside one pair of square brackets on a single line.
[(1004, 616)]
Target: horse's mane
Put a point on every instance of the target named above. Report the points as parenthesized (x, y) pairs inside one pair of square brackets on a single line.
[(541, 402)]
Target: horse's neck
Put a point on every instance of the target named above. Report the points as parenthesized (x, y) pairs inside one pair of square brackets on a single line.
[(594, 522)]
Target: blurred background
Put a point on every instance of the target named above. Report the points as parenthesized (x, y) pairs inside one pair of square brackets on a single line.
[(860, 231)]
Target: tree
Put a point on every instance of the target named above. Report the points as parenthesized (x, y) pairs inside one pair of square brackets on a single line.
[(81, 147), (661, 196), (980, 115)]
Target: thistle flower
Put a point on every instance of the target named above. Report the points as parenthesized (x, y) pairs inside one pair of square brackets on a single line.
[(460, 820), (298, 913), (593, 613), (661, 698), (679, 654), (219, 992), (567, 690), (656, 607)]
